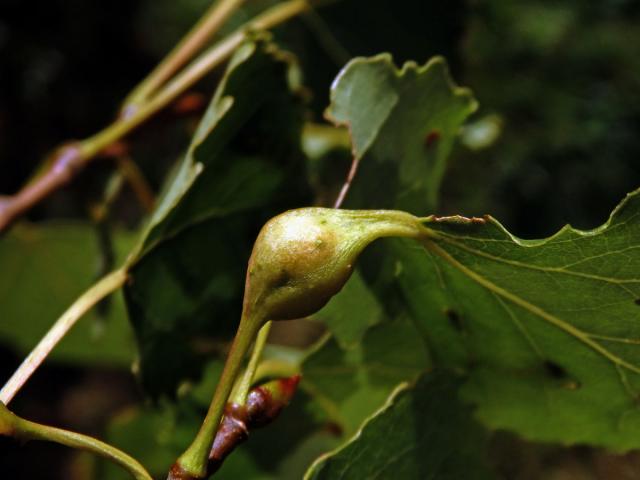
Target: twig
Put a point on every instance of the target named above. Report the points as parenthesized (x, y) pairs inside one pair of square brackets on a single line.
[(136, 180), (193, 462), (82, 305), (76, 156), (66, 164), (347, 183), (201, 32), (24, 430), (262, 406)]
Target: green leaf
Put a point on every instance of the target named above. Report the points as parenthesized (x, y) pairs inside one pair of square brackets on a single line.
[(44, 269), (244, 165), (546, 329), (422, 432), (534, 366), (351, 312), (402, 125), (348, 385)]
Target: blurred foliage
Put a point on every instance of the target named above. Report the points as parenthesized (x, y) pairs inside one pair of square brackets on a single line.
[(52, 264), (563, 78)]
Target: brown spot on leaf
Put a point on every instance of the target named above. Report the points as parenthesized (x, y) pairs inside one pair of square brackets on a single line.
[(454, 319), (554, 370), (431, 138), (334, 429), (572, 385)]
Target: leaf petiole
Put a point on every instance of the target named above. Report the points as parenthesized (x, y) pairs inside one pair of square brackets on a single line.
[(241, 390), (13, 426)]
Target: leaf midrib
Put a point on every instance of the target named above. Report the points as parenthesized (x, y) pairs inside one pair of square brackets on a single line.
[(431, 246)]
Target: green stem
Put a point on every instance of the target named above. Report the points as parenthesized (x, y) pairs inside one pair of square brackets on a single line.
[(244, 385), (24, 430), (194, 460), (201, 32), (275, 368), (88, 299)]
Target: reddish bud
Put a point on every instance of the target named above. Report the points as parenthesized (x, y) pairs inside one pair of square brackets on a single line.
[(264, 404)]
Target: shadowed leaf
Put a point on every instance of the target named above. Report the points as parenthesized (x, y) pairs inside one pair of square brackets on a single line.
[(243, 166), (422, 432)]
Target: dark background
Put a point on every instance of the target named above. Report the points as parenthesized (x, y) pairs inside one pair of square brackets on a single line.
[(557, 80)]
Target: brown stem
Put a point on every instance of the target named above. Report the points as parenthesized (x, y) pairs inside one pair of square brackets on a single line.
[(134, 176), (67, 162), (264, 404)]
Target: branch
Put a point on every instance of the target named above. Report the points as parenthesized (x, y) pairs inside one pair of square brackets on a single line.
[(201, 32), (134, 176), (71, 159), (67, 162)]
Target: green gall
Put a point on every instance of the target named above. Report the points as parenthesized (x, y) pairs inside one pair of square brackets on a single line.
[(303, 257), (300, 260)]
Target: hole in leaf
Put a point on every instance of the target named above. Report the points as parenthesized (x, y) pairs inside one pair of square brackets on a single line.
[(637, 301), (454, 319), (555, 370)]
